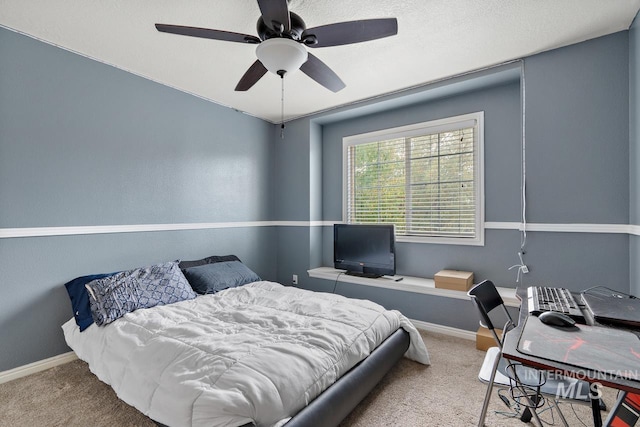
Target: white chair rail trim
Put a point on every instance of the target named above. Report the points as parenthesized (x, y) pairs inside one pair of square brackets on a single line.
[(8, 233)]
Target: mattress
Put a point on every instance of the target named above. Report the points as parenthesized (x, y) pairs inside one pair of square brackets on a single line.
[(257, 353)]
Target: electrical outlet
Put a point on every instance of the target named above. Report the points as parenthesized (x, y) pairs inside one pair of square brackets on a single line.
[(295, 279), (524, 269)]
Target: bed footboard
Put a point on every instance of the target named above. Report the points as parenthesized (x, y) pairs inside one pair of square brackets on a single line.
[(335, 403)]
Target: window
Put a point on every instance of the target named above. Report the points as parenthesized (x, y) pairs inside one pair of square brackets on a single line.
[(426, 178)]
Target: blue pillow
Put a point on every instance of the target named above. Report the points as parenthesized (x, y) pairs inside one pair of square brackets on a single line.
[(208, 260), (80, 298), (212, 278), (112, 297)]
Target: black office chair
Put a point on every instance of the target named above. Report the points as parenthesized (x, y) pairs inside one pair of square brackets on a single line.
[(529, 387)]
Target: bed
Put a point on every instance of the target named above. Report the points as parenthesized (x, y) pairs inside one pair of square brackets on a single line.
[(253, 353)]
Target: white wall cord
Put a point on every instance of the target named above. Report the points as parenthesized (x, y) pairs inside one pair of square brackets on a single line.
[(523, 239), (522, 267)]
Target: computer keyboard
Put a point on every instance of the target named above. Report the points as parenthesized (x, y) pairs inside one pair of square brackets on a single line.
[(543, 298)]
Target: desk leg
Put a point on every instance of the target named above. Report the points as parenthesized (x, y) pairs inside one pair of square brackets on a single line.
[(594, 395), (626, 411)]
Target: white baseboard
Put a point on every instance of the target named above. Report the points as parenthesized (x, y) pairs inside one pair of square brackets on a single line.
[(32, 368), (446, 330)]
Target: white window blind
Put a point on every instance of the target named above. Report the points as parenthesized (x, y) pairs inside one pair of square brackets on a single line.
[(425, 179)]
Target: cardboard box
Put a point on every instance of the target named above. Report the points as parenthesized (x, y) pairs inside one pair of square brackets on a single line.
[(485, 339), (454, 279)]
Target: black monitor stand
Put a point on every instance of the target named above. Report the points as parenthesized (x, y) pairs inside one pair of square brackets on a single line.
[(361, 274)]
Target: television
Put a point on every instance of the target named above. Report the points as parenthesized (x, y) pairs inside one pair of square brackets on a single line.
[(366, 250)]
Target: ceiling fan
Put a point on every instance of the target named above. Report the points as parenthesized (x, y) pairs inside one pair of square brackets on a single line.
[(283, 37)]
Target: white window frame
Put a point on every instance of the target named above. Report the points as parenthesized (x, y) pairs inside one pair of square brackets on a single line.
[(475, 120)]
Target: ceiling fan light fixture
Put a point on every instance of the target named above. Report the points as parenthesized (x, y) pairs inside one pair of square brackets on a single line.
[(283, 38), (281, 54)]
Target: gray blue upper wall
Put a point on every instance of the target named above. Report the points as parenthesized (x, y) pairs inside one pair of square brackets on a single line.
[(86, 144), (83, 144), (577, 173)]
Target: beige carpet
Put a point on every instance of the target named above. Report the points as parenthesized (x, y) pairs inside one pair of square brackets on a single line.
[(447, 393)]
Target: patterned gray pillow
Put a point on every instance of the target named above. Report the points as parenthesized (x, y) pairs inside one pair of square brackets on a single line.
[(114, 296)]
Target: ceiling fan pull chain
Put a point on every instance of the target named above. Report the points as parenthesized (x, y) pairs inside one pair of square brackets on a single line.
[(281, 73)]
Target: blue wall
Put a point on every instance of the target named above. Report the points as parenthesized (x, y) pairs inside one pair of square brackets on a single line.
[(501, 106), (577, 140), (85, 144), (578, 133)]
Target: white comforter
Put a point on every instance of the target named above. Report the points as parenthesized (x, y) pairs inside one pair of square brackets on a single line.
[(260, 352)]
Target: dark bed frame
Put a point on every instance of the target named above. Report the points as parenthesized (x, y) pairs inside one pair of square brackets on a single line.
[(336, 402)]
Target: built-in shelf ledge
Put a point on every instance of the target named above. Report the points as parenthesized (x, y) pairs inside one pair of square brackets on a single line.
[(419, 285)]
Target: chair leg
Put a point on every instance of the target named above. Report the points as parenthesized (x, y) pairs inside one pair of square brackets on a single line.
[(487, 395), (561, 415)]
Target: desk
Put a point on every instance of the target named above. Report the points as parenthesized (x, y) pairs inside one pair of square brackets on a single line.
[(593, 373)]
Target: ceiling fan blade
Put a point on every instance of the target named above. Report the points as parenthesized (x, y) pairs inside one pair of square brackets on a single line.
[(342, 33), (251, 77), (275, 12), (207, 33), (321, 73)]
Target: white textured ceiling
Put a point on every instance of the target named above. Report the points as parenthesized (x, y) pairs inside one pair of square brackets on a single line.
[(436, 39)]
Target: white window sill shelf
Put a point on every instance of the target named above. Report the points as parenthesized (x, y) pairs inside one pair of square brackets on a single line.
[(408, 284)]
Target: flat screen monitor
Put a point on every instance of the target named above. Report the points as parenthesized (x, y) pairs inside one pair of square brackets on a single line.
[(364, 249)]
